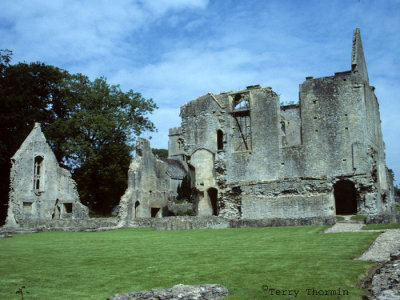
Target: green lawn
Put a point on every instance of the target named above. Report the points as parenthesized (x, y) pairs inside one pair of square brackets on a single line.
[(381, 226), (77, 265), (359, 218)]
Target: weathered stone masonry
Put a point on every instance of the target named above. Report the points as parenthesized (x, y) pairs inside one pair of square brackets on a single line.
[(250, 157), (40, 190), (246, 156)]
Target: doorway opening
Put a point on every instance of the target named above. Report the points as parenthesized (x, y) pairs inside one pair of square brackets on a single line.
[(137, 204), (345, 197), (213, 195), (154, 212)]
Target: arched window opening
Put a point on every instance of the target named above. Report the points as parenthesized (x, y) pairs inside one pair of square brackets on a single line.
[(241, 101), (220, 140), (345, 197), (37, 172), (213, 196), (179, 144)]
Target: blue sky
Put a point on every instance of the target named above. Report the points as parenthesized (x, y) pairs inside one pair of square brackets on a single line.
[(177, 50)]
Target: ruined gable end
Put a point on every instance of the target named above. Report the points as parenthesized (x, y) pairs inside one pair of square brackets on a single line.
[(40, 190), (358, 64)]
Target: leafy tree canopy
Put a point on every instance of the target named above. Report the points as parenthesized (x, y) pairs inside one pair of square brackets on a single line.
[(161, 153), (91, 126)]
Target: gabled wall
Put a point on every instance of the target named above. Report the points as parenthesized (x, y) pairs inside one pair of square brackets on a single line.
[(40, 190)]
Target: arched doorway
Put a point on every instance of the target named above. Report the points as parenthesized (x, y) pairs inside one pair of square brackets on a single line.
[(213, 195), (137, 204), (345, 197)]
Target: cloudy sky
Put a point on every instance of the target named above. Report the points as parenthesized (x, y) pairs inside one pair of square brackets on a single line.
[(174, 51)]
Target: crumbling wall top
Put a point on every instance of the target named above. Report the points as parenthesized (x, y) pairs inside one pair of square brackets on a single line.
[(175, 131), (358, 64)]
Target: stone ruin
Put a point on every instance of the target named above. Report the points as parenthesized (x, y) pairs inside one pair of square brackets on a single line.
[(178, 292), (250, 157), (148, 186), (245, 156), (40, 190)]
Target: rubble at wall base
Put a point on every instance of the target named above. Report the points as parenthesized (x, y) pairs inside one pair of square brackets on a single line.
[(382, 218), (95, 224), (168, 223), (212, 222)]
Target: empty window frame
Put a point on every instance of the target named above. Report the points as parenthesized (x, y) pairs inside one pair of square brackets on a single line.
[(220, 140), (27, 207), (242, 132), (38, 166), (154, 211), (179, 144), (241, 101), (67, 208)]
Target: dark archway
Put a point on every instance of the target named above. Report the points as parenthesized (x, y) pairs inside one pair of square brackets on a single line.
[(345, 197), (213, 195)]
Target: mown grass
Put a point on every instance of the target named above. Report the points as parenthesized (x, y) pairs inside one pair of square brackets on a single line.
[(73, 265), (381, 226), (359, 218)]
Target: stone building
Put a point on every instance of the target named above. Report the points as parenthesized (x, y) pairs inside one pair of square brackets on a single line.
[(40, 190), (148, 186), (250, 157)]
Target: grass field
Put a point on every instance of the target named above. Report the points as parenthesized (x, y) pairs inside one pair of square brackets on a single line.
[(382, 226), (77, 265)]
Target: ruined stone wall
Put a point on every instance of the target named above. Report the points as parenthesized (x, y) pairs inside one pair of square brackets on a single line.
[(89, 224), (290, 125), (385, 195), (291, 198), (201, 118), (332, 121), (148, 186), (261, 160), (175, 144), (39, 189), (251, 149), (212, 222)]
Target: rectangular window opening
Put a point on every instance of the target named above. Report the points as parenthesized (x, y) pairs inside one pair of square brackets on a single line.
[(242, 132), (68, 208), (154, 212), (27, 207)]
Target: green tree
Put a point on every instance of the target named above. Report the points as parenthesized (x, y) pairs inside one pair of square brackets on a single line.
[(161, 153), (29, 93), (90, 125), (98, 136)]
